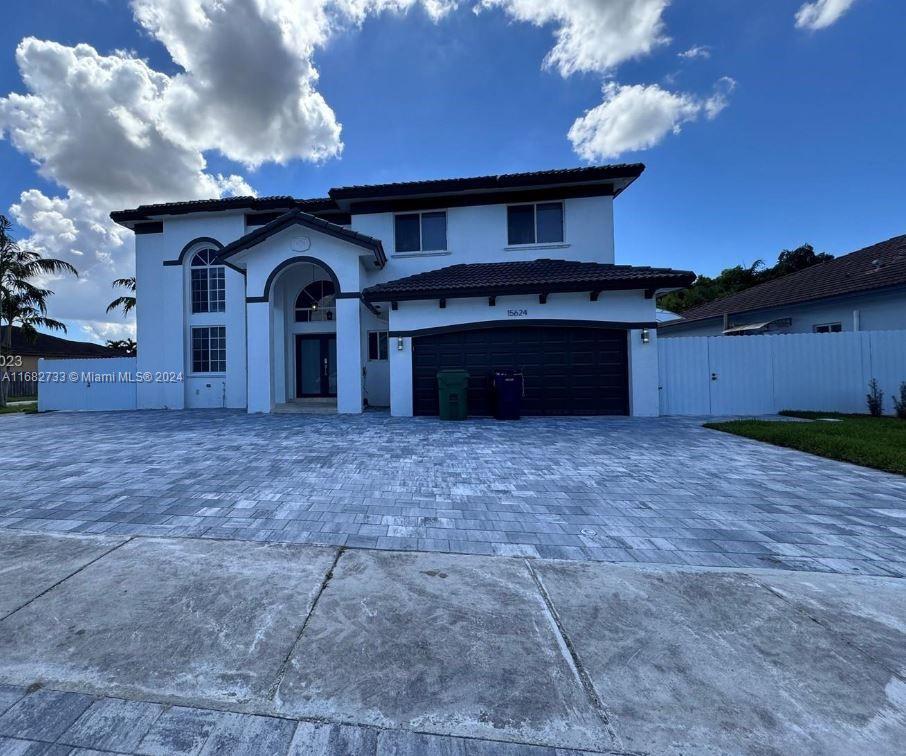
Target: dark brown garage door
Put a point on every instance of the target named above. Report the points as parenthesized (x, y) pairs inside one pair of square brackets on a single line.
[(568, 370)]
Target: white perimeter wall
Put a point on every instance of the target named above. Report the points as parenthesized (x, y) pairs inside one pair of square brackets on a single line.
[(758, 375), (84, 384)]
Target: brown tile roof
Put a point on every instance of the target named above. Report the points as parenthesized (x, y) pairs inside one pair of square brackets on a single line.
[(45, 345), (876, 267), (525, 277), (501, 181)]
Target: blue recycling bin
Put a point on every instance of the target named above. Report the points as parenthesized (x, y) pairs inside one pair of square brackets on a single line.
[(508, 393)]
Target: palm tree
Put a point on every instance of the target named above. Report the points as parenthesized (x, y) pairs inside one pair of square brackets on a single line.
[(21, 301), (127, 303)]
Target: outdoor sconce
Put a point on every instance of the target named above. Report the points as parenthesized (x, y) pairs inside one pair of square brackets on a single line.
[(645, 336), (399, 343)]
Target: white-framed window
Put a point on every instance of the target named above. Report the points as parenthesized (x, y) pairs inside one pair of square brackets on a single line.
[(827, 328), (316, 302), (377, 345), (421, 232), (208, 282), (209, 349), (538, 223)]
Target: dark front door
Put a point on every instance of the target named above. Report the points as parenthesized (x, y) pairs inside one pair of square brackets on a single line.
[(567, 370), (316, 365)]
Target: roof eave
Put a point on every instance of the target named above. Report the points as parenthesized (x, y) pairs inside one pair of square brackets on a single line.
[(389, 295)]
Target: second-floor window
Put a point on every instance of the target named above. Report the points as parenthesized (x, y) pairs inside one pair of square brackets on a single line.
[(421, 232), (208, 283), (535, 224)]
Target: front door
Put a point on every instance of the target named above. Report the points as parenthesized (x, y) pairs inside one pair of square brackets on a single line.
[(316, 365)]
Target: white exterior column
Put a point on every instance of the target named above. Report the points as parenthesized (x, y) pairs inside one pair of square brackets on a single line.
[(400, 376), (349, 355), (644, 395), (260, 357)]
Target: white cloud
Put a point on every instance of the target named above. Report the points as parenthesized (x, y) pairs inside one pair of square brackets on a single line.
[(696, 51), (821, 13), (592, 35), (639, 116), (115, 133)]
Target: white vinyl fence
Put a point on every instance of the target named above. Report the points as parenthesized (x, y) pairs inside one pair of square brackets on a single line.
[(761, 375), (89, 384)]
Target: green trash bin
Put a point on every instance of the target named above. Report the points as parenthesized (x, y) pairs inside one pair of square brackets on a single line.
[(453, 394)]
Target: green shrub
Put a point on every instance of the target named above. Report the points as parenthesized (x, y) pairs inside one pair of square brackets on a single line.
[(899, 403), (875, 399)]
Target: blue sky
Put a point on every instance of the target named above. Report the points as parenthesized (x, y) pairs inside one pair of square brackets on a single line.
[(807, 145)]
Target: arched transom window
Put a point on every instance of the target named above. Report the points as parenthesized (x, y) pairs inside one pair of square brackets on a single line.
[(208, 282), (316, 302)]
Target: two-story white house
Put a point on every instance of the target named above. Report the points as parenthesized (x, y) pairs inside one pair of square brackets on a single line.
[(361, 297)]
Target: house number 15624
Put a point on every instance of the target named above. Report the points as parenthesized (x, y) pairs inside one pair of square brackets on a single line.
[(520, 313)]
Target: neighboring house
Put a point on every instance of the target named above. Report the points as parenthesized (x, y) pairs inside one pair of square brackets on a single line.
[(366, 294), (862, 291), (49, 347)]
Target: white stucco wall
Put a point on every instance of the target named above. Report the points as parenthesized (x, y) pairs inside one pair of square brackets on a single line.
[(479, 234), (164, 316), (872, 311)]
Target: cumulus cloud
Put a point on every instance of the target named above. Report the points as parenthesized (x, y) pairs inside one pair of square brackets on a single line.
[(592, 35), (637, 117), (821, 13), (696, 51), (114, 133)]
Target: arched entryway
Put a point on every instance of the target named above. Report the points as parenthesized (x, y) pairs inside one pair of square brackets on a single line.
[(303, 297)]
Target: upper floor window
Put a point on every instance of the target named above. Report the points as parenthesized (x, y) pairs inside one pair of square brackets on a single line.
[(828, 328), (316, 302), (208, 283), (421, 232), (535, 224)]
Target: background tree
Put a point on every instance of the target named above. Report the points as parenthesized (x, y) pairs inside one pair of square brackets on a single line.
[(739, 278), (126, 302), (21, 300), (127, 346)]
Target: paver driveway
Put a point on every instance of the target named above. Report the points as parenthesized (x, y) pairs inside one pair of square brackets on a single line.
[(611, 489)]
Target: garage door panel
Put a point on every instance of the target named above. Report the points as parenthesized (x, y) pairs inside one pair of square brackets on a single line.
[(567, 370)]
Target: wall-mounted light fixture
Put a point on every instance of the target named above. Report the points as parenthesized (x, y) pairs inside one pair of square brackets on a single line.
[(399, 343), (646, 337)]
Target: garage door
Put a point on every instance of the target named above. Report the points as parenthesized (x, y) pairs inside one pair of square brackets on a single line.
[(568, 370)]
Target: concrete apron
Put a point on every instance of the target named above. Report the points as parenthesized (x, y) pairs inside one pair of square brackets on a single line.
[(566, 654)]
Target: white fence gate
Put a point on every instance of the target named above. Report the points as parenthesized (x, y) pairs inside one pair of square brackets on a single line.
[(761, 375), (89, 384)]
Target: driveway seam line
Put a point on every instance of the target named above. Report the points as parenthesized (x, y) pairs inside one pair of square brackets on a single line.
[(573, 657), (281, 673), (63, 580), (830, 629)]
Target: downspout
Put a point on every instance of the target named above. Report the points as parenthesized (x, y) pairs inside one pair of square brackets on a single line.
[(856, 319)]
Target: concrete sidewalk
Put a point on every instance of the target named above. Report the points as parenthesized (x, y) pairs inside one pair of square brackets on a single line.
[(148, 645)]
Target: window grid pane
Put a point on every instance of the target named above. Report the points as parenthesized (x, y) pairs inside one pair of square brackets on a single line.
[(550, 222), (521, 224), (209, 349), (382, 346), (199, 289), (407, 233), (434, 231), (216, 289)]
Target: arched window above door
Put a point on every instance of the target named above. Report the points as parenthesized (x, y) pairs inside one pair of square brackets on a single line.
[(316, 302)]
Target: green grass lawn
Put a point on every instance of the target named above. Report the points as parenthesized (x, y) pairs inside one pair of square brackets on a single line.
[(878, 442), (11, 409)]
